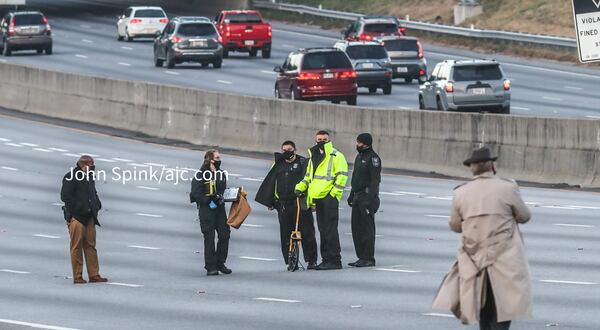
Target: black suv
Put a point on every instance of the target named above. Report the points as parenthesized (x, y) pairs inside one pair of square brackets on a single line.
[(189, 39), (25, 30)]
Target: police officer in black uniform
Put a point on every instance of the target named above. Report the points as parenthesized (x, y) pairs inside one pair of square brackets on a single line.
[(364, 200), (277, 192), (208, 186)]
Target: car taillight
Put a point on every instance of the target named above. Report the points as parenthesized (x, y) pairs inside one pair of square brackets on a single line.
[(164, 20), (270, 31), (135, 21), (11, 27), (449, 87), (402, 30), (420, 49), (228, 34), (45, 21), (176, 39), (365, 37), (309, 76), (507, 85), (346, 74)]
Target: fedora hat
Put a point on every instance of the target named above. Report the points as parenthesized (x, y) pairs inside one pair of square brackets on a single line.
[(483, 154)]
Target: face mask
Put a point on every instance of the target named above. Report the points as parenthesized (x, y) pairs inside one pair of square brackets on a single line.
[(217, 163), (361, 149), (321, 143), (288, 155)]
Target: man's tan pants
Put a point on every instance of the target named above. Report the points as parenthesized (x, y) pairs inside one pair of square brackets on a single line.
[(83, 241)]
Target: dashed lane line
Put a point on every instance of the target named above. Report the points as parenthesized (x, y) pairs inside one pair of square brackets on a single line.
[(393, 270), (45, 236), (143, 247), (125, 284), (147, 188), (35, 325), (568, 282), (147, 215), (12, 271), (11, 144), (9, 168), (289, 301), (257, 258), (573, 225)]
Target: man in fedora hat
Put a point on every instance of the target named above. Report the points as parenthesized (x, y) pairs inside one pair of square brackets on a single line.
[(489, 282)]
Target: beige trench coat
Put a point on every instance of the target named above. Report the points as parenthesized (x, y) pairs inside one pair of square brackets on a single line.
[(487, 211)]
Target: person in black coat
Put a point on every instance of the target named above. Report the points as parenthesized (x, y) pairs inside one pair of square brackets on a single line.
[(81, 208), (208, 186), (277, 192), (364, 200)]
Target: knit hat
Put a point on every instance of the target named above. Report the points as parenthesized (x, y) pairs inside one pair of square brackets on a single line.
[(365, 138)]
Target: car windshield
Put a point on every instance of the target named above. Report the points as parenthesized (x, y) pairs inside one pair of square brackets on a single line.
[(150, 13), (477, 72), (196, 29), (243, 18), (326, 60), (400, 45), (381, 28), (29, 19), (366, 52)]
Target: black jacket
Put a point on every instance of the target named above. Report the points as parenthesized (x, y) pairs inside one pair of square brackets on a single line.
[(201, 193), (280, 182), (366, 176), (80, 196)]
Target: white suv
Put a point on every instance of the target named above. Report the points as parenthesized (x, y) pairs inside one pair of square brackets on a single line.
[(141, 22)]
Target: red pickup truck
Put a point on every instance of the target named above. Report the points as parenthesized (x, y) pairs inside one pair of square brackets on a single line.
[(244, 31)]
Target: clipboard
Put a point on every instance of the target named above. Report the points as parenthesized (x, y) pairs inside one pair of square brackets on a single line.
[(232, 194)]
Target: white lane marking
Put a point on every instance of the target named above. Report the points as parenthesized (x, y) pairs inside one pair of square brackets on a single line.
[(390, 194), (125, 284), (58, 149), (574, 88), (521, 108), (3, 60), (440, 198), (42, 150), (593, 117), (568, 282), (560, 207), (106, 160), (409, 193), (252, 226), (439, 315), (251, 179), (289, 46), (228, 174), (29, 144), (91, 155), (312, 36), (71, 154), (549, 98), (87, 41), (257, 259), (123, 160), (149, 215), (126, 48), (143, 247), (268, 72), (224, 82), (45, 236), (80, 56), (573, 225), (147, 188), (584, 207), (289, 301), (124, 64), (532, 203), (12, 271), (397, 270), (156, 164), (13, 145), (172, 72), (5, 140), (552, 70), (137, 165), (437, 216), (9, 168), (35, 325), (58, 204)]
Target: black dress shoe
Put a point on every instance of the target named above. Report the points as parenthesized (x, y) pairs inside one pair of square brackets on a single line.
[(353, 264), (212, 272), (311, 265), (223, 269), (329, 266), (364, 263)]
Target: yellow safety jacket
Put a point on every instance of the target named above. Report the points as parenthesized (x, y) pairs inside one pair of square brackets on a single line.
[(330, 176)]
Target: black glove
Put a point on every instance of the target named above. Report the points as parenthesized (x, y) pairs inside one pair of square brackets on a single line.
[(219, 200), (350, 199), (299, 193)]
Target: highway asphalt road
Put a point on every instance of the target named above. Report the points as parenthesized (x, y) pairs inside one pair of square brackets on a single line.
[(150, 243), (85, 42)]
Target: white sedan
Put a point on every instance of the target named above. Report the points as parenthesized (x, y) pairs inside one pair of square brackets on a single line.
[(141, 22)]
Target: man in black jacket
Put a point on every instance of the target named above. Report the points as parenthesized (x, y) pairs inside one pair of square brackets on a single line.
[(277, 192), (208, 186), (81, 213), (364, 200)]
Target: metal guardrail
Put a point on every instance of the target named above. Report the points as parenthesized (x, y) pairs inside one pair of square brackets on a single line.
[(428, 27)]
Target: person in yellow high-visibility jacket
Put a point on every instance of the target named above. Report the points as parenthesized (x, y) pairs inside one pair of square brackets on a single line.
[(323, 184)]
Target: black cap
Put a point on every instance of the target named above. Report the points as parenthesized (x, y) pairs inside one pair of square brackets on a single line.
[(480, 155), (365, 138)]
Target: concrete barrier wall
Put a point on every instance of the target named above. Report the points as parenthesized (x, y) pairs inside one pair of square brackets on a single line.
[(532, 149)]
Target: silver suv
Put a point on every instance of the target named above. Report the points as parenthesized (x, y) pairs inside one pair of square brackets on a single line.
[(469, 85)]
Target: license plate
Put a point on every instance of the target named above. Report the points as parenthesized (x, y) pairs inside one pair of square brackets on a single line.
[(368, 65), (198, 43), (249, 42), (328, 75), (402, 69), (478, 91)]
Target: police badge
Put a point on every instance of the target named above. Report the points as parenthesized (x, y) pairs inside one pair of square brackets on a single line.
[(376, 162)]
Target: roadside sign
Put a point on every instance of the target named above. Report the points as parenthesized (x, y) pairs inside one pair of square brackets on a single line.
[(587, 26)]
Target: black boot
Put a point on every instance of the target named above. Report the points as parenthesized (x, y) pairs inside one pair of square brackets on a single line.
[(223, 269), (212, 272)]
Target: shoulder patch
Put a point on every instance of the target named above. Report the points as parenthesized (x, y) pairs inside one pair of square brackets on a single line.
[(376, 161)]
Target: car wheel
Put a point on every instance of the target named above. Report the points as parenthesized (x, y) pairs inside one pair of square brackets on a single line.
[(372, 89), (387, 89), (225, 53), (336, 102), (119, 37), (39, 51), (170, 60), (266, 53), (48, 50), (218, 63), (408, 80), (421, 103), (351, 100), (204, 65), (253, 52), (440, 106), (6, 49)]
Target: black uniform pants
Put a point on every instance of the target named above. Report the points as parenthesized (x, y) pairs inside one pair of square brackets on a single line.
[(363, 227), (488, 317), (212, 221), (286, 211), (327, 219)]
